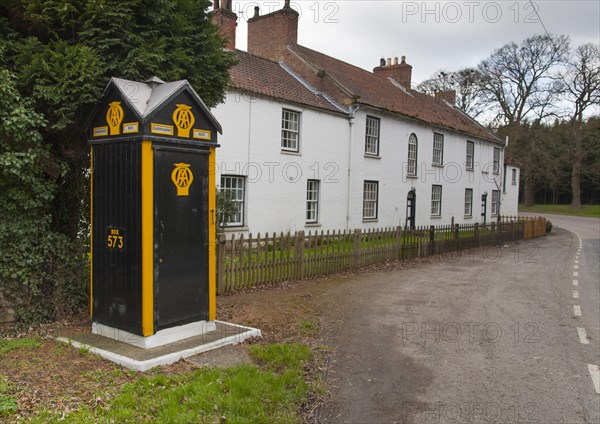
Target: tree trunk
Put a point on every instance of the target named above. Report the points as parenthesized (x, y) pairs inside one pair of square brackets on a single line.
[(529, 193), (576, 184), (576, 167)]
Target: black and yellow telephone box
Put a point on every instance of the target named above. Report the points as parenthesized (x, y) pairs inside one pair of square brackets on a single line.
[(152, 207)]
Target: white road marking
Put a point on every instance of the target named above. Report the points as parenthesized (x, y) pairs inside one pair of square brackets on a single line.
[(577, 310), (576, 261), (582, 335), (575, 282), (595, 374), (575, 274), (575, 294), (576, 266)]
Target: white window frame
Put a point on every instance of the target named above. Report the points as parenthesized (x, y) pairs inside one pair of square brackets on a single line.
[(470, 157), (514, 177), (370, 199), (468, 202), (438, 149), (413, 142), (372, 131), (495, 202), (436, 200), (290, 130), (312, 201), (239, 190), (496, 163)]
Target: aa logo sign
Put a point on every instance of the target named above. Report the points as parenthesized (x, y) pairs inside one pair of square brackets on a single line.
[(183, 119), (182, 177), (114, 117)]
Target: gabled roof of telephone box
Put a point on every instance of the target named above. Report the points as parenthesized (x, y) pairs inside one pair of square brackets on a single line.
[(144, 100)]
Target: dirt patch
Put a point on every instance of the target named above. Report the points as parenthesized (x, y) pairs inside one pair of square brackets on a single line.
[(58, 377), (224, 357)]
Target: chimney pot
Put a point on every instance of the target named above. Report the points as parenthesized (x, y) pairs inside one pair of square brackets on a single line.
[(401, 72), (256, 11), (382, 61)]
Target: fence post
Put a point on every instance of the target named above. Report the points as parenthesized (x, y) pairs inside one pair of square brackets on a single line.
[(356, 247), (398, 242), (456, 237), (477, 233), (432, 238), (299, 254), (493, 232), (220, 250)]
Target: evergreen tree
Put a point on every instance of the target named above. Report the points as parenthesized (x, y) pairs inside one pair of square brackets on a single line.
[(59, 56)]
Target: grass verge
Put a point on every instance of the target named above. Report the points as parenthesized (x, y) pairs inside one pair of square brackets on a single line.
[(272, 391), (586, 210), (8, 402), (8, 392), (6, 345)]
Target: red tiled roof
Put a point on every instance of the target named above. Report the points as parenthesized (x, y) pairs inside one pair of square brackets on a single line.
[(261, 76), (380, 93), (510, 161)]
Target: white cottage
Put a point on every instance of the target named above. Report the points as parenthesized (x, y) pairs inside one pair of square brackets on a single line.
[(310, 142)]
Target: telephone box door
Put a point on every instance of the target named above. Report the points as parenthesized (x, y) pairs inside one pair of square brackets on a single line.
[(181, 234)]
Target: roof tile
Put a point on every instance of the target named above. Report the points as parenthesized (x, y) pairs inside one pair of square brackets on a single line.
[(264, 77)]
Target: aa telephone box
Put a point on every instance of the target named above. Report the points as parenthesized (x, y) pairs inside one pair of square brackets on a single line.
[(152, 207)]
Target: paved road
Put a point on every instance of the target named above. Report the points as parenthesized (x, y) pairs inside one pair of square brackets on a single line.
[(491, 337), (587, 230)]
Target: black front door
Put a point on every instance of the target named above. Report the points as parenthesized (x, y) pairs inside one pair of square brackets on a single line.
[(180, 236), (411, 204), (484, 207)]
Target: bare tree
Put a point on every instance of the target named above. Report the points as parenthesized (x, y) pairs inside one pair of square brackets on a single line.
[(466, 82), (520, 81), (581, 88)]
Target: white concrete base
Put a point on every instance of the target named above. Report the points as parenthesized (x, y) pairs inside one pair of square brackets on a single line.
[(169, 358), (161, 338)]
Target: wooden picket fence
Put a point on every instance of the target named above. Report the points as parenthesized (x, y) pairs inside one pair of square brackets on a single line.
[(245, 261)]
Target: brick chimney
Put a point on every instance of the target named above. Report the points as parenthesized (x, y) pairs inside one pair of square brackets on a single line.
[(226, 20), (401, 72), (269, 35), (448, 95)]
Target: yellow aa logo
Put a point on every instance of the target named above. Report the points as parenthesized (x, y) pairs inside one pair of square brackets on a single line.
[(183, 119), (182, 177), (114, 117)]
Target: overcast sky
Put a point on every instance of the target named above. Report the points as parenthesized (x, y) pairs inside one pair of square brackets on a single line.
[(432, 35)]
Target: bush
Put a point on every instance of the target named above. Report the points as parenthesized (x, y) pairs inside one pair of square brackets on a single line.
[(548, 227)]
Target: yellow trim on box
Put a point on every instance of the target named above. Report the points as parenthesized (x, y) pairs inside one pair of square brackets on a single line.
[(131, 127), (91, 232), (202, 134), (147, 239), (100, 131), (212, 236), (165, 130)]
